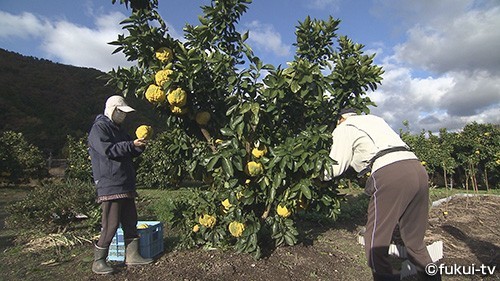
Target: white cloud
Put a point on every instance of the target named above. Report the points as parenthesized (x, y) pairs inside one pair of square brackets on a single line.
[(468, 42), (447, 72), (324, 4), (25, 25), (266, 38), (67, 42)]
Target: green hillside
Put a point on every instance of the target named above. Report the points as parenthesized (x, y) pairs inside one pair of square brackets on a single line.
[(47, 101)]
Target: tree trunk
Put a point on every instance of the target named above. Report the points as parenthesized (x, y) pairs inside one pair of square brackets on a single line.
[(486, 179), (445, 179)]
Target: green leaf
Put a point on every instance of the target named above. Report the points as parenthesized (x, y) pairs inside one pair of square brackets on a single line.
[(305, 190), (212, 162), (227, 166), (294, 86)]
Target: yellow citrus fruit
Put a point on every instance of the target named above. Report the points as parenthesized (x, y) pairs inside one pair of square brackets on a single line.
[(142, 226), (155, 94), (144, 132), (177, 97), (207, 220), (226, 204), (236, 228), (253, 168), (178, 110), (196, 228), (424, 163), (202, 117), (260, 151), (283, 211), (163, 76), (164, 54)]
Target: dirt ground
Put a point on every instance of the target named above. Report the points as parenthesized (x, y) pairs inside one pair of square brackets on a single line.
[(468, 227)]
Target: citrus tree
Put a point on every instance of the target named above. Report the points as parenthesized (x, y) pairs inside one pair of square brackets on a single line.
[(257, 134)]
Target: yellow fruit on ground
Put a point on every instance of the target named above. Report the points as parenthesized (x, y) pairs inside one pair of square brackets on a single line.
[(423, 163), (207, 220), (477, 152), (218, 141), (236, 228), (144, 132), (248, 181), (142, 226), (196, 228), (155, 94), (283, 211), (164, 54), (163, 76), (202, 117), (177, 97), (253, 168)]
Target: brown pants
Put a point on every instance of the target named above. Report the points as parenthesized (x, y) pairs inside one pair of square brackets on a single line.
[(114, 213), (401, 198)]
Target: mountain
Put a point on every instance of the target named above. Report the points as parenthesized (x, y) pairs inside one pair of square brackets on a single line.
[(48, 101)]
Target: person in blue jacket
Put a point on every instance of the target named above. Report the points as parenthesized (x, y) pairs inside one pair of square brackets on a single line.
[(111, 152)]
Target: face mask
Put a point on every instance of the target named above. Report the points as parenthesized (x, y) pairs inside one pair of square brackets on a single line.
[(118, 116)]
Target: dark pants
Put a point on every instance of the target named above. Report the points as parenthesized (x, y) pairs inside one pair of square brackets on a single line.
[(113, 213), (401, 197)]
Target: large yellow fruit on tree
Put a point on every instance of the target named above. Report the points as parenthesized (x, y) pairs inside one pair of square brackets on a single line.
[(227, 204), (164, 54), (162, 76), (283, 211), (178, 110), (177, 97), (144, 132), (202, 117), (207, 220), (155, 94), (236, 228), (253, 168), (260, 151)]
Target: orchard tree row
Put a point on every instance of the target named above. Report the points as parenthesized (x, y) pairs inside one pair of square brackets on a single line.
[(466, 159)]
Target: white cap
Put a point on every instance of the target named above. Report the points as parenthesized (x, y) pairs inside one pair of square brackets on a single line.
[(118, 102)]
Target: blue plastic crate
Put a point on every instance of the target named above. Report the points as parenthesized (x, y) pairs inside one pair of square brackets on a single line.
[(150, 241)]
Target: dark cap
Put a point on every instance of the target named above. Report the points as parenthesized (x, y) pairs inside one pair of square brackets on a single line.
[(347, 110)]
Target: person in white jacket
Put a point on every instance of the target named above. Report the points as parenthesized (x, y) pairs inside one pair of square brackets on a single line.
[(397, 183)]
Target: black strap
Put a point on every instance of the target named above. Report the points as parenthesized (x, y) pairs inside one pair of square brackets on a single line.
[(379, 154)]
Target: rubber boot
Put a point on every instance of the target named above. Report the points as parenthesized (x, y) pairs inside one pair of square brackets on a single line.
[(386, 277), (132, 254), (422, 276), (99, 266)]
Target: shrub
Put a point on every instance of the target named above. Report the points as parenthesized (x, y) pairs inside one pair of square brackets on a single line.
[(19, 160), (79, 166), (54, 206)]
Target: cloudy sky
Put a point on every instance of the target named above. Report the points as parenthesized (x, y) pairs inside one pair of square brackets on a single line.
[(441, 58)]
